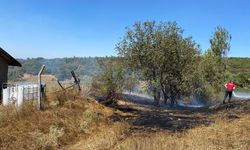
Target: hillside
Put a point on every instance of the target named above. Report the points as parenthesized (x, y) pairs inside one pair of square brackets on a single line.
[(239, 71), (239, 65), (87, 67), (59, 67)]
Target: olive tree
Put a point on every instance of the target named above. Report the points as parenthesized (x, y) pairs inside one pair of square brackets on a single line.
[(165, 58)]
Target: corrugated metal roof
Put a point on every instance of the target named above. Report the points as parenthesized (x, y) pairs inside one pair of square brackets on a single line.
[(8, 58)]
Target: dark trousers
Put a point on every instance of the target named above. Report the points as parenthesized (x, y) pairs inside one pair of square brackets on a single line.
[(0, 95), (228, 93)]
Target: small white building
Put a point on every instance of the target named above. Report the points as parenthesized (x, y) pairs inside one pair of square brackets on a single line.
[(5, 61)]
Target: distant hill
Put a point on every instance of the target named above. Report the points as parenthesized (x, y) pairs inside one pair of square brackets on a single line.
[(59, 67), (239, 65), (239, 68)]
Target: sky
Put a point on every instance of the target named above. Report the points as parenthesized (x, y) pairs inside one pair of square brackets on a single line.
[(82, 28)]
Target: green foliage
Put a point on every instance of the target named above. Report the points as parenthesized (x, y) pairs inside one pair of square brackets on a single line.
[(131, 80), (109, 82), (220, 43), (219, 47), (242, 80), (15, 73), (33, 65), (239, 65), (165, 58), (213, 65), (211, 71), (239, 72)]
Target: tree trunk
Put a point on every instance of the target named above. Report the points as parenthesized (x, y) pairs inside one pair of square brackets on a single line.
[(157, 96), (165, 95), (164, 91), (173, 95)]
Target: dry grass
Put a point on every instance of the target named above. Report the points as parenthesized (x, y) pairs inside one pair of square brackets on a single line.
[(71, 117), (71, 121), (45, 77), (222, 135), (103, 139), (49, 80)]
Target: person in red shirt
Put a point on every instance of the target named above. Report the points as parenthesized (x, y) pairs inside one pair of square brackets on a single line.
[(229, 90)]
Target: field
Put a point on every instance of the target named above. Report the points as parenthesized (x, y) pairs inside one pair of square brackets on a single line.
[(220, 127), (75, 121), (71, 121), (66, 118)]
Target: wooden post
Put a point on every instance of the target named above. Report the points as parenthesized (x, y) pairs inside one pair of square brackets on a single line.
[(39, 87), (60, 85), (77, 81)]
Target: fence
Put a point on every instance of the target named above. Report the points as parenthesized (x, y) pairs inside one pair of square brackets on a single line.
[(18, 93)]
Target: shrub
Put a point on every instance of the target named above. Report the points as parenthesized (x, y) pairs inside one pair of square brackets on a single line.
[(110, 81)]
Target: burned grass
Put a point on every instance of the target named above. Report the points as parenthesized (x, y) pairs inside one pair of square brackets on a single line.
[(176, 120), (220, 135), (220, 127), (153, 128)]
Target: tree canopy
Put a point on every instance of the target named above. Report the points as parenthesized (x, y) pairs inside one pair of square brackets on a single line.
[(162, 54)]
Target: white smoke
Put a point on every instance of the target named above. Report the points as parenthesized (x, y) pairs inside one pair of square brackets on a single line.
[(241, 95)]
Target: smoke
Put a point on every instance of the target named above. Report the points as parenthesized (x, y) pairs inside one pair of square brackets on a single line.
[(194, 103), (144, 98), (241, 95)]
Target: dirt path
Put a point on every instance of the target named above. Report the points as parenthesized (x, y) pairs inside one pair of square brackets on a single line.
[(143, 118)]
